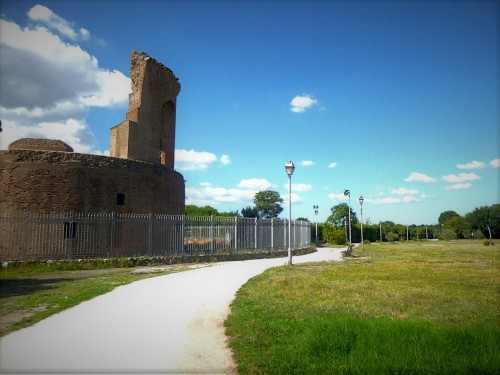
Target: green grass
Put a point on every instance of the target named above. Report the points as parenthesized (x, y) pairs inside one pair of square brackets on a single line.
[(413, 308), (32, 292)]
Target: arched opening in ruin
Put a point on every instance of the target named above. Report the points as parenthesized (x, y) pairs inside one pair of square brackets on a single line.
[(167, 142)]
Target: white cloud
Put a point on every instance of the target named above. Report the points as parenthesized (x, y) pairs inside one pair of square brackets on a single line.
[(332, 165), (114, 88), (256, 184), (387, 200), (394, 200), (53, 21), (474, 164), (212, 196), (461, 177), (193, 160), (404, 191), (409, 199), (299, 187), (301, 103), (295, 198), (495, 163), (462, 186), (225, 160), (419, 177), (307, 163), (337, 197), (48, 85)]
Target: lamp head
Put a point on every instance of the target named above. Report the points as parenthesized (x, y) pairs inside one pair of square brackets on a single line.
[(289, 168), (361, 200)]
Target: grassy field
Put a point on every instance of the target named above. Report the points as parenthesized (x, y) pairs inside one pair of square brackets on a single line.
[(32, 292), (411, 308)]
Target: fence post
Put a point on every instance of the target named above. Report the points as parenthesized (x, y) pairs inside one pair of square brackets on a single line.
[(255, 234), (236, 233), (71, 241), (183, 224), (24, 239), (150, 234), (112, 234), (272, 233), (211, 234)]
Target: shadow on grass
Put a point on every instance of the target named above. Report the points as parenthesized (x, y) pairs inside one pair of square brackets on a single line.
[(22, 287)]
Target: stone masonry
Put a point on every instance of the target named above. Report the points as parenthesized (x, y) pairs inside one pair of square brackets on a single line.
[(148, 132)]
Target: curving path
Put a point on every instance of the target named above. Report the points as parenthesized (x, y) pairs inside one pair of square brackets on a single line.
[(165, 324)]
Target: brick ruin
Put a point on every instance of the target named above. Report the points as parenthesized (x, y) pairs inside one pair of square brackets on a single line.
[(38, 175), (148, 132)]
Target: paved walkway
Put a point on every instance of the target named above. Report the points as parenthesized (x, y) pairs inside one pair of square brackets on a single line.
[(165, 324)]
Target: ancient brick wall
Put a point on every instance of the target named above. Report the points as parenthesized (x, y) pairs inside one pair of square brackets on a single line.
[(148, 132), (45, 181)]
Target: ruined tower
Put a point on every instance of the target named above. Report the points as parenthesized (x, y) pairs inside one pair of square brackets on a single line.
[(148, 132), (39, 175)]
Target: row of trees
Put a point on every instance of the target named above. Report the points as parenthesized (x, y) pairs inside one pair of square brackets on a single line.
[(482, 222), (267, 204)]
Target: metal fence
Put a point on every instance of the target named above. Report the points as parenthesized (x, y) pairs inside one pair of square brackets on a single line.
[(107, 235)]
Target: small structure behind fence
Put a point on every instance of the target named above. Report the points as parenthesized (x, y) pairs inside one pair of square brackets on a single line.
[(108, 235)]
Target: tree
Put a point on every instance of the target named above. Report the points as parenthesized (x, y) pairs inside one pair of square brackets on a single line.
[(392, 237), (192, 210), (446, 216), (268, 204), (459, 226), (249, 212), (229, 213), (339, 212), (486, 219), (334, 235)]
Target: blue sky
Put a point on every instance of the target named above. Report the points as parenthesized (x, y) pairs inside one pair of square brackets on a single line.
[(397, 101)]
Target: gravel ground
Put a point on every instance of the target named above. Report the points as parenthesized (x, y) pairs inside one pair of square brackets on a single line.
[(166, 324)]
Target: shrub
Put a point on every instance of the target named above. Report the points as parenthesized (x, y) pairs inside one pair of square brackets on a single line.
[(478, 234), (447, 235), (487, 243), (392, 237)]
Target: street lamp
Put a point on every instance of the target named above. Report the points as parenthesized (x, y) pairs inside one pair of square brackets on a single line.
[(361, 200), (348, 193), (315, 207), (289, 168)]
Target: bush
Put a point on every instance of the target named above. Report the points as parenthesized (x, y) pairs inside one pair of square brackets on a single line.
[(478, 234), (392, 237), (487, 243), (340, 240), (334, 235), (447, 235)]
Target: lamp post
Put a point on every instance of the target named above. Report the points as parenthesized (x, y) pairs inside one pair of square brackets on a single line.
[(348, 193), (315, 207), (344, 220), (380, 223), (289, 168), (361, 200)]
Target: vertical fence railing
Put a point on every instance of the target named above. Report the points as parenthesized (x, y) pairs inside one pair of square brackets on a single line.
[(104, 235)]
